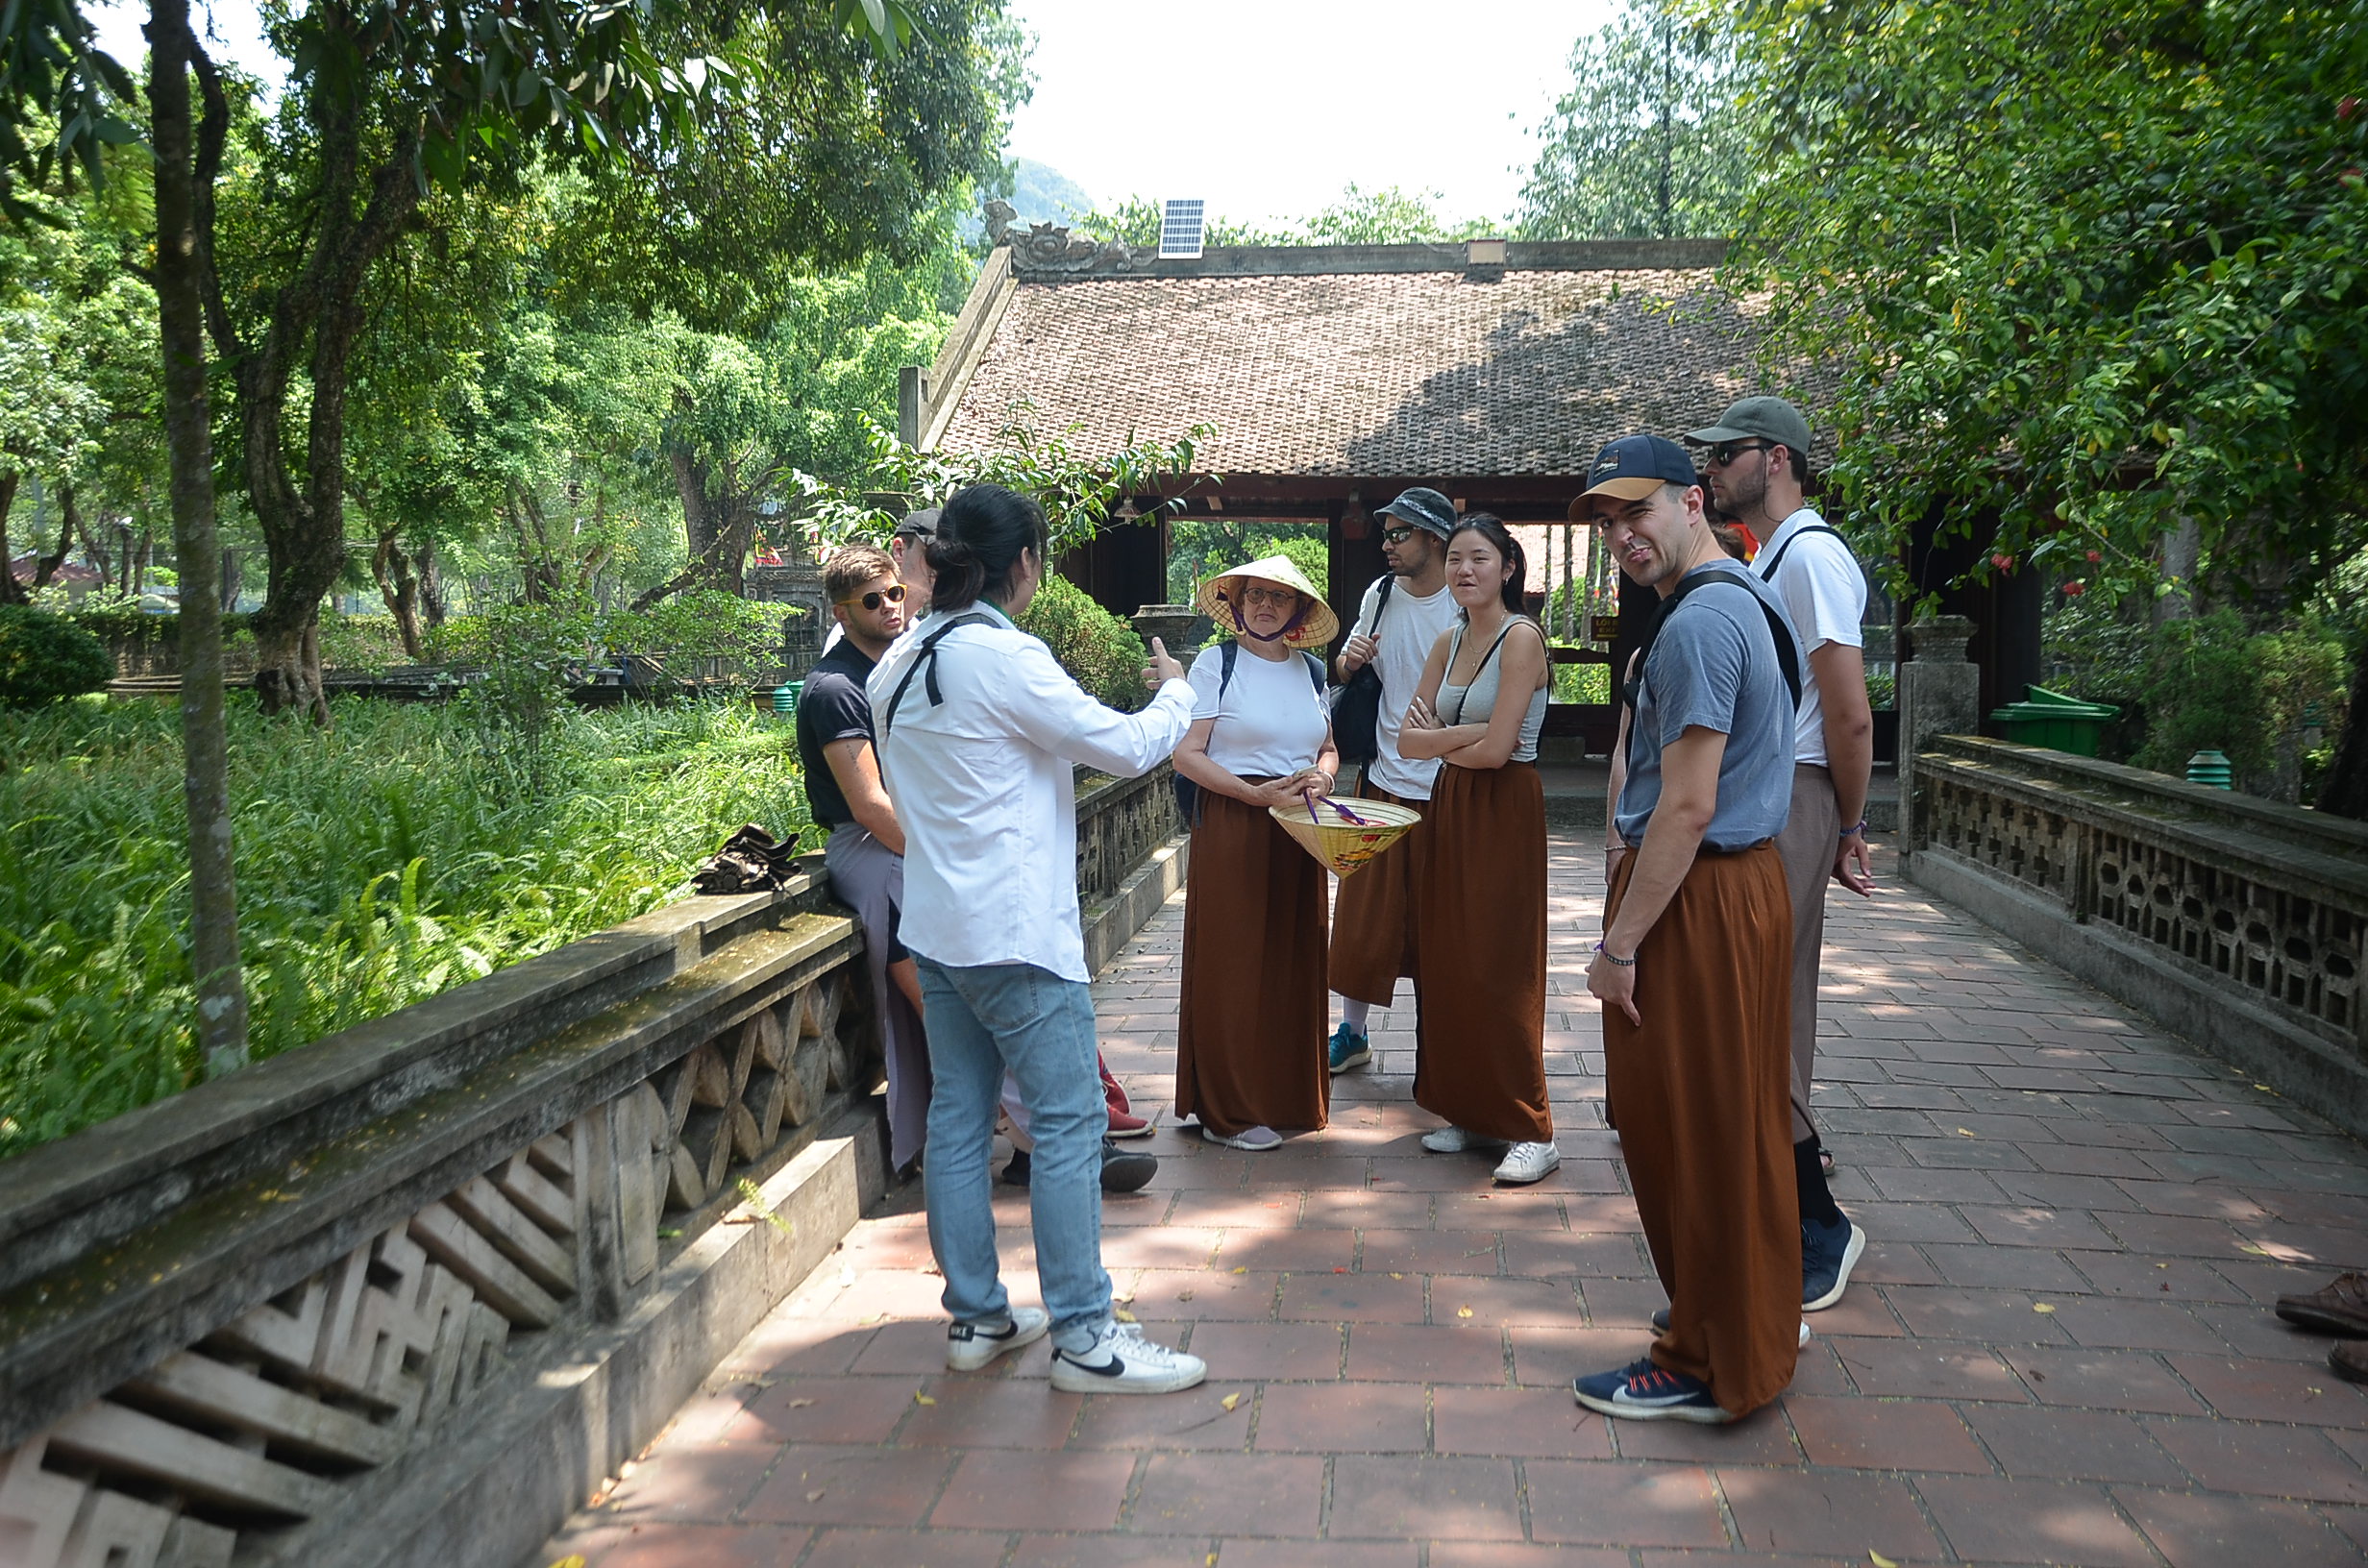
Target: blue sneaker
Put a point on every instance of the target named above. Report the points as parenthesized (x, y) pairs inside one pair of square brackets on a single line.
[(1641, 1391), (1827, 1254), (1349, 1049)]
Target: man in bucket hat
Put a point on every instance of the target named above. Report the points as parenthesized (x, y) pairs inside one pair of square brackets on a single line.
[(1401, 617), (1756, 462), (1696, 953)]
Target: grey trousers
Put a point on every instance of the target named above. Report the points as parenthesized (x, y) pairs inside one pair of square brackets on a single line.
[(1807, 846)]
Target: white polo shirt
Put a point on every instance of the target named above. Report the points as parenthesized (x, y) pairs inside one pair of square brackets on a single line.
[(984, 790), (1824, 592)]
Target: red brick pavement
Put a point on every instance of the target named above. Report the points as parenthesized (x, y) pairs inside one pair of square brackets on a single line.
[(2057, 1349)]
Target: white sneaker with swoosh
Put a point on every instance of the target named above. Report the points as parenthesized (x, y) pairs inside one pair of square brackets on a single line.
[(970, 1346), (1122, 1361)]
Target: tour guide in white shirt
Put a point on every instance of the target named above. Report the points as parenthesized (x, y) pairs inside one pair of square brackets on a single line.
[(977, 730)]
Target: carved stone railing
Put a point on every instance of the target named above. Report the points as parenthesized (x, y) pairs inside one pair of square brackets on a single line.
[(2249, 917), (294, 1315), (227, 1318), (1119, 822)]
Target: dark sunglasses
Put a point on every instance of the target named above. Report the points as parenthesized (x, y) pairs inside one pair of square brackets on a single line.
[(1726, 451), (894, 594), (1398, 536)]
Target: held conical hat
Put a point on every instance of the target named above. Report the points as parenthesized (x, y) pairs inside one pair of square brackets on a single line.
[(1219, 595)]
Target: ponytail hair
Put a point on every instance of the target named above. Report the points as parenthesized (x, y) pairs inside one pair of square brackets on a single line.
[(980, 536), (1501, 538)]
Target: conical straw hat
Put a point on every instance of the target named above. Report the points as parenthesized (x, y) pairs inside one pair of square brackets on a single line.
[(1329, 829), (1220, 592)]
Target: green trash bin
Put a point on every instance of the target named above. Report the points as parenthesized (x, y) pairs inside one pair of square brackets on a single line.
[(2055, 721)]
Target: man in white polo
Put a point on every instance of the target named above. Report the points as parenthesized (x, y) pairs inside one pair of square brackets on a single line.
[(1400, 618), (1758, 464)]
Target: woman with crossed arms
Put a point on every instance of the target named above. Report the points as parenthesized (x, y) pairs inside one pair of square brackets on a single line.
[(1480, 905)]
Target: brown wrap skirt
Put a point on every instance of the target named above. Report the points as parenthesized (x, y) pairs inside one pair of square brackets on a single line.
[(1372, 916), (1704, 1088), (1479, 918), (1249, 1039)]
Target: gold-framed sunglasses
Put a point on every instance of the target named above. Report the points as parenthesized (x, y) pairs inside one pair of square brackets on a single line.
[(893, 594)]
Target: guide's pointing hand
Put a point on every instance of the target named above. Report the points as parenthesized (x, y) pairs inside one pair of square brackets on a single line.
[(1162, 667)]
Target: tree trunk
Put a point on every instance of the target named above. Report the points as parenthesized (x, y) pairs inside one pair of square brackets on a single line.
[(399, 587), (230, 580), (719, 524), (2345, 792), (314, 318), (431, 583), (2182, 548), (12, 592), (72, 528), (56, 558), (213, 900)]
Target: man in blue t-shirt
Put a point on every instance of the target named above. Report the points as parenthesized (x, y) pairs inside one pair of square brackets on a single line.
[(1694, 969)]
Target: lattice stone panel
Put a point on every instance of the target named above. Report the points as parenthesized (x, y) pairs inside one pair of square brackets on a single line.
[(2275, 942), (260, 1424), (2279, 945)]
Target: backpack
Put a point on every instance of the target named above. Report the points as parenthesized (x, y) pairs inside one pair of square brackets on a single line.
[(1186, 791), (1787, 650), (1356, 703)]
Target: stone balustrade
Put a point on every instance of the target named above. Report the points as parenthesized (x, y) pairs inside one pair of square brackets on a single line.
[(2240, 922), (405, 1296)]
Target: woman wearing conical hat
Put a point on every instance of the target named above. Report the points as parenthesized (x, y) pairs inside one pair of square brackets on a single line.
[(1250, 1033)]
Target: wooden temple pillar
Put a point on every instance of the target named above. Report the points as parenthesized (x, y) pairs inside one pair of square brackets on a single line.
[(2005, 610)]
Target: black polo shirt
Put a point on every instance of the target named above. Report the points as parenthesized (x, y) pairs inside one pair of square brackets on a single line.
[(834, 707)]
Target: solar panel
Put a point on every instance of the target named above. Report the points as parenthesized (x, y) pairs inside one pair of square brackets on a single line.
[(1181, 225)]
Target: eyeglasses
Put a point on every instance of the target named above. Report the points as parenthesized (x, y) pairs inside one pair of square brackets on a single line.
[(1726, 451), (1398, 536), (893, 594), (1282, 598)]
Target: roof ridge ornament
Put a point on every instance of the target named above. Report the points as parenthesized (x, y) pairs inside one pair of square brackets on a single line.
[(1050, 247)]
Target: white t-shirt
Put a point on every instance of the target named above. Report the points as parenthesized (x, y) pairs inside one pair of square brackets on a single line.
[(1270, 721), (1410, 628), (1824, 594)]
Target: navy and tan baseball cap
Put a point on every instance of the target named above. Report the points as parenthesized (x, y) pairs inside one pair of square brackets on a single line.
[(1765, 417), (1632, 467), (1425, 510)]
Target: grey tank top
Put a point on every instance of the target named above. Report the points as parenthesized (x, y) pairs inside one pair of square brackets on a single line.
[(1474, 705)]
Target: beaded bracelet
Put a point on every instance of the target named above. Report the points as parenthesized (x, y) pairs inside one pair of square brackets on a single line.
[(1848, 832), (1614, 958)]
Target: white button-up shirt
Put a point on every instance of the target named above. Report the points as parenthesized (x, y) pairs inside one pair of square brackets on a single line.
[(984, 790)]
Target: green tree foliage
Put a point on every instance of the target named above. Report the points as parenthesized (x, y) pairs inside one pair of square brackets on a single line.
[(1099, 651), (45, 658), (1200, 547), (1653, 140), (2094, 271), (1079, 491)]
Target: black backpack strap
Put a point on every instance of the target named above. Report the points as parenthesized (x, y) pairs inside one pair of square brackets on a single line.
[(928, 656), (1315, 671), (1225, 656), (1778, 559), (1787, 650)]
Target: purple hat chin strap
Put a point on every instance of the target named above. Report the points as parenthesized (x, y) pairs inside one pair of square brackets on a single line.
[(1242, 628)]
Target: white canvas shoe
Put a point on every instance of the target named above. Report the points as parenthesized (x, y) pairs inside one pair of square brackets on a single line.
[(1122, 1361), (1456, 1140), (1527, 1162), (970, 1346)]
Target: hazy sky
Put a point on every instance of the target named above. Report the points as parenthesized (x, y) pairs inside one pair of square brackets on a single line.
[(1266, 109)]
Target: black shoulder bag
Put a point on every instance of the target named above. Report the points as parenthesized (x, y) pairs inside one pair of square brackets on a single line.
[(1356, 704), (1186, 791)]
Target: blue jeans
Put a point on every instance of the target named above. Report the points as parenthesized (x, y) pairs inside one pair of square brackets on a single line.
[(982, 1019)]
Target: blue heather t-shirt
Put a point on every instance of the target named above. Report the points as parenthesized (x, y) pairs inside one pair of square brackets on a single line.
[(1714, 665)]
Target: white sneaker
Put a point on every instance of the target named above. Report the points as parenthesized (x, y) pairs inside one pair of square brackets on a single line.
[(1456, 1140), (1122, 1361), (1256, 1139), (970, 1347), (1527, 1162)]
